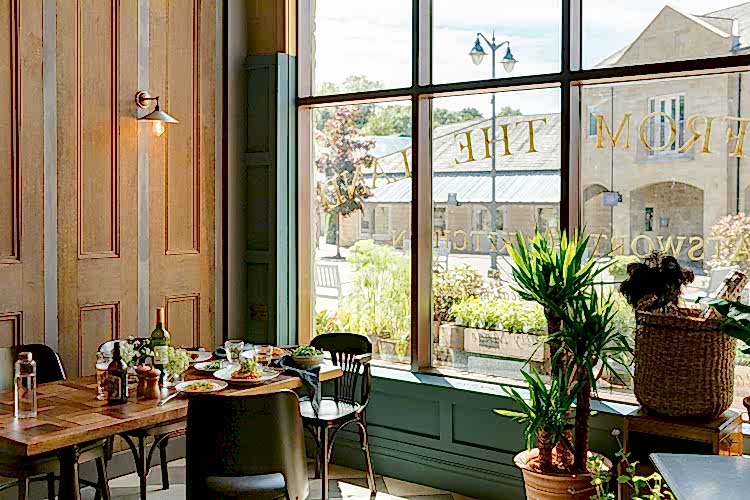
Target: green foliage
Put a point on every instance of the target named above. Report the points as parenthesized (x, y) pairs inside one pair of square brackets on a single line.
[(389, 120), (452, 286), (379, 303), (442, 116), (341, 154), (545, 411), (737, 320), (590, 334), (326, 322), (619, 266), (649, 487), (551, 274), (499, 314)]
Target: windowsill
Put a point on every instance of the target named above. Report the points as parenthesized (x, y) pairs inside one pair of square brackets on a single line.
[(607, 402), (483, 384)]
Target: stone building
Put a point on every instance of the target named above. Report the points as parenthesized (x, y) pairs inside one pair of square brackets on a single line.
[(652, 189)]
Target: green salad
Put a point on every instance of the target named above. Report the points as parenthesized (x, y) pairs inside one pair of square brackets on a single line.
[(306, 350)]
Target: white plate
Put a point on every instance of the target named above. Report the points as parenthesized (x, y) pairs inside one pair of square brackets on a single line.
[(204, 366), (226, 374), (219, 385), (200, 356)]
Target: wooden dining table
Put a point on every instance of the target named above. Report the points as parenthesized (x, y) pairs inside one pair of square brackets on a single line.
[(69, 416)]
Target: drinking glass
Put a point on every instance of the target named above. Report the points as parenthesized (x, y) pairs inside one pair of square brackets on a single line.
[(264, 354), (233, 349), (103, 359)]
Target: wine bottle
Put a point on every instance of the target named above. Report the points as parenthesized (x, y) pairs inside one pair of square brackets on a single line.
[(117, 378), (160, 343)]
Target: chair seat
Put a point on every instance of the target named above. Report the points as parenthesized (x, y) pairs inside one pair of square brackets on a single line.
[(260, 487), (330, 410)]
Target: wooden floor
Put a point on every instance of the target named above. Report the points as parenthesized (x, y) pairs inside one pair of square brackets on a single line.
[(344, 484)]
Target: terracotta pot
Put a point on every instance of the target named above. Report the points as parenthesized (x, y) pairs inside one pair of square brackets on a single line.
[(554, 486)]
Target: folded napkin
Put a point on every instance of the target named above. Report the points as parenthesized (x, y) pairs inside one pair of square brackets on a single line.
[(310, 378)]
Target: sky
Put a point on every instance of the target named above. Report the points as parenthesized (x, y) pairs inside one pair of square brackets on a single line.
[(373, 38)]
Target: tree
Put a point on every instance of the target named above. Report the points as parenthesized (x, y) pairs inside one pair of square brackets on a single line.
[(442, 116), (354, 83), (508, 111), (340, 156), (389, 120)]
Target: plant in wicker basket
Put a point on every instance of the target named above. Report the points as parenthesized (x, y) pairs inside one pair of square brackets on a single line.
[(655, 283), (684, 364)]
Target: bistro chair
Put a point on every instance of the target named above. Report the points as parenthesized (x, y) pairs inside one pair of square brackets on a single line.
[(24, 470), (353, 354), (136, 441), (245, 447)]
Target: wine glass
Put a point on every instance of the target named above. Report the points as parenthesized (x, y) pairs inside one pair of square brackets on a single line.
[(233, 349)]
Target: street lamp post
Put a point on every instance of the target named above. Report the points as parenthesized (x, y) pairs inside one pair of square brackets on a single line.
[(508, 62)]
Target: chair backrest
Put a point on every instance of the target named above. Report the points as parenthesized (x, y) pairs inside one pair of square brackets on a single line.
[(49, 368), (245, 435), (346, 351), (6, 368)]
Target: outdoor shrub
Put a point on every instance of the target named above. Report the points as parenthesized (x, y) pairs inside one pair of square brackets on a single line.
[(734, 230), (515, 316), (452, 286), (379, 303), (619, 266)]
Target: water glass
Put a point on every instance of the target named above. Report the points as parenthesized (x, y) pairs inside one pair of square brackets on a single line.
[(103, 359), (264, 354), (233, 349)]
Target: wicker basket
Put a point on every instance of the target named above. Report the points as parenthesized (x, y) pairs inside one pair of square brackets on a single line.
[(684, 365)]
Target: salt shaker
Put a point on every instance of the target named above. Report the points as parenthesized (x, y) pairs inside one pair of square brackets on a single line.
[(25, 386)]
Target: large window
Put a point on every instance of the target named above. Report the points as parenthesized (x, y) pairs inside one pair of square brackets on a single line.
[(630, 119)]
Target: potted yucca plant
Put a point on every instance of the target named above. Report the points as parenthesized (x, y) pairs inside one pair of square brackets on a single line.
[(583, 339)]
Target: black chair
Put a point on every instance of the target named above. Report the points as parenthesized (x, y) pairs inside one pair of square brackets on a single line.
[(353, 354), (24, 471), (245, 447), (136, 441)]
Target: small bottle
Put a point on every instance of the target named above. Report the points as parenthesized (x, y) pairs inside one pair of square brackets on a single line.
[(117, 378), (160, 343), (25, 386)]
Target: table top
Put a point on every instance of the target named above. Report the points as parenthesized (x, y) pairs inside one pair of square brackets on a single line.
[(69, 413), (704, 477)]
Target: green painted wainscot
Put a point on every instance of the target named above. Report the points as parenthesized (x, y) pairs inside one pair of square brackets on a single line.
[(441, 432)]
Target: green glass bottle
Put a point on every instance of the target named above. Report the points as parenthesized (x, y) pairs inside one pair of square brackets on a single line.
[(160, 343)]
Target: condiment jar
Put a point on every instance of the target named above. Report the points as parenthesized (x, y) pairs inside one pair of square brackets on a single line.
[(152, 390), (142, 372)]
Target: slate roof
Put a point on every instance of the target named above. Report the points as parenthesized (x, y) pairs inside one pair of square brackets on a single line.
[(525, 186), (445, 148)]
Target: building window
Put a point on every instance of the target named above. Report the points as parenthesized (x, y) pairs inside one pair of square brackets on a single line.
[(464, 151), (669, 112)]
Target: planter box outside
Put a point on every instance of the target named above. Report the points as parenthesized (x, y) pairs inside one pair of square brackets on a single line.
[(451, 336), (503, 344)]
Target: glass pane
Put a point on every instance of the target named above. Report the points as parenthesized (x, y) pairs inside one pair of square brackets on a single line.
[(630, 32), (484, 193), (361, 45), (642, 193), (362, 220), (530, 30)]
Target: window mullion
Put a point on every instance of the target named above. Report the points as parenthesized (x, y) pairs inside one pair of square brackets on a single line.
[(421, 216), (570, 116)]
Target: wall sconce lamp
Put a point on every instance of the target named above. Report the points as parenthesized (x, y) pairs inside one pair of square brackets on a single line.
[(157, 116)]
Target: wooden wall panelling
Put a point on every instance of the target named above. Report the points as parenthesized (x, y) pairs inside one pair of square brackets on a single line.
[(21, 173), (97, 176), (182, 169)]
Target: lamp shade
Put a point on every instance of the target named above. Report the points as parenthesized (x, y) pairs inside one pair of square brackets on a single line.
[(509, 62), (158, 115), (477, 53)]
